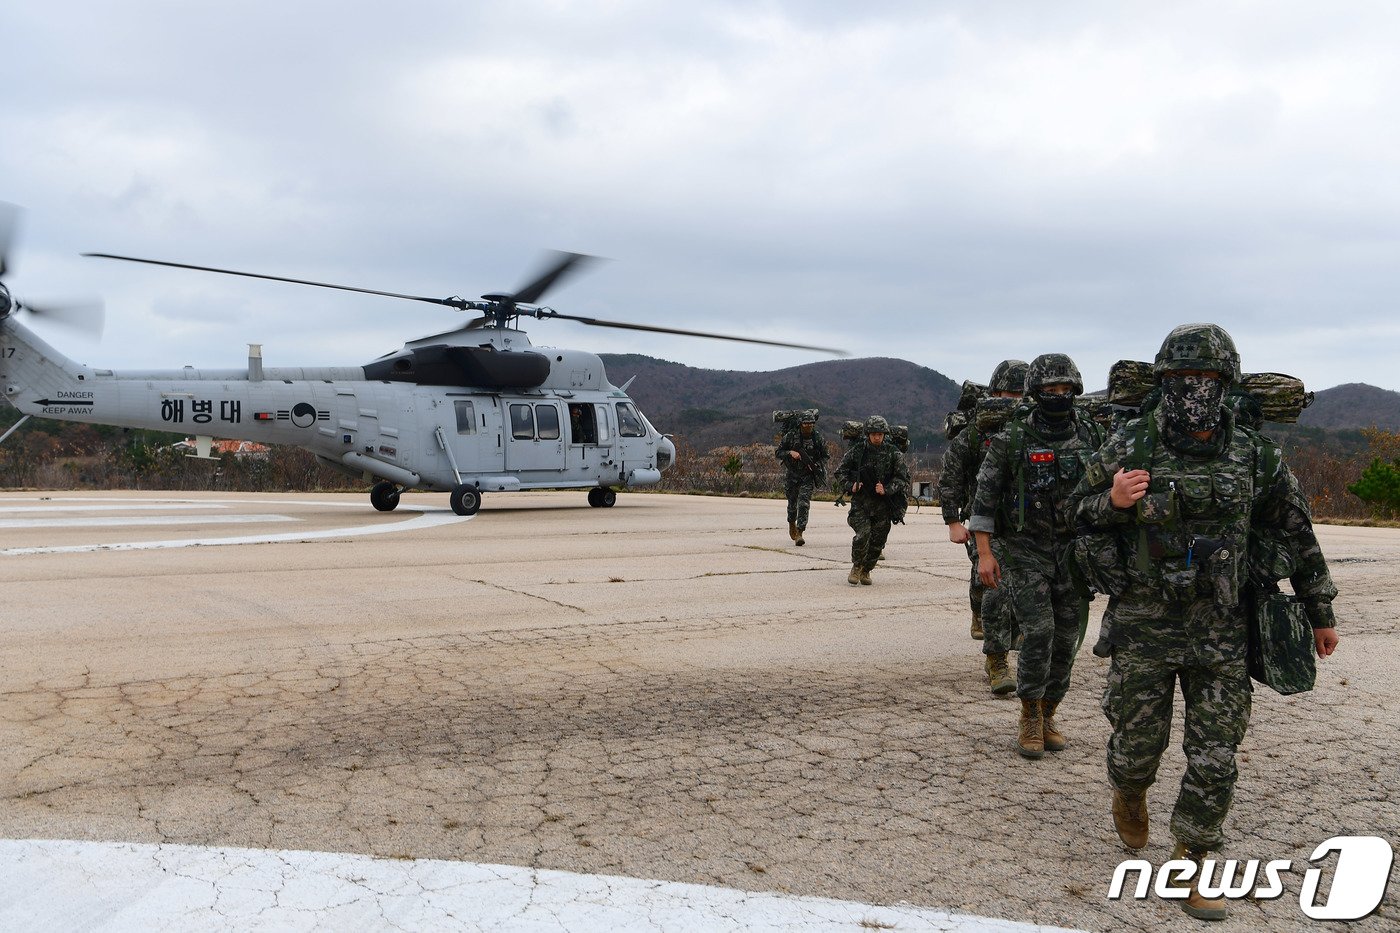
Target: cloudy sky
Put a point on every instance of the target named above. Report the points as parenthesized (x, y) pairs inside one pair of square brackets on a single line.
[(951, 183)]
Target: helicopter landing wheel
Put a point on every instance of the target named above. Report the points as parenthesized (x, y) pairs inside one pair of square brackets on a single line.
[(593, 497), (384, 496), (465, 500), (601, 498)]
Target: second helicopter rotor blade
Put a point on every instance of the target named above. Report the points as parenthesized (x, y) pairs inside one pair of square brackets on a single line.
[(563, 264), (86, 316), (457, 303), (652, 328), (9, 220)]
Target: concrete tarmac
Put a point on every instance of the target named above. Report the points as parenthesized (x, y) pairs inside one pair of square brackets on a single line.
[(666, 689)]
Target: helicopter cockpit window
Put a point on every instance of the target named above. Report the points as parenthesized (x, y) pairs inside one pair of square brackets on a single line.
[(583, 424), (547, 418), (522, 422), (466, 416), (628, 424)]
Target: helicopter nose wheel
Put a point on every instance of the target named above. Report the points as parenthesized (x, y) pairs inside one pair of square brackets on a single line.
[(601, 498), (465, 500), (384, 496)]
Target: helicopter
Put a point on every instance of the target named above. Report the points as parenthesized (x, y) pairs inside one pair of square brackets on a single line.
[(467, 411)]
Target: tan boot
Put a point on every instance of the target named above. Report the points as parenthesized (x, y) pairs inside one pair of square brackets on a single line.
[(865, 578), (1031, 742), (1197, 904), (977, 633), (853, 578), (1055, 740), (999, 674), (792, 530), (799, 539), (1130, 818)]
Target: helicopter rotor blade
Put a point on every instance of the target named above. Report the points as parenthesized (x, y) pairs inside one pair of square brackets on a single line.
[(652, 328), (9, 220), (87, 317), (564, 263), (458, 303)]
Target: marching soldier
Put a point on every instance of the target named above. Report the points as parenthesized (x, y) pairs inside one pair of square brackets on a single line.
[(957, 484), (875, 476), (1022, 497), (803, 454), (1180, 496)]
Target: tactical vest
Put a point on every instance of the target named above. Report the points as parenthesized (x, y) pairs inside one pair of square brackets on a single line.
[(1193, 526), (1045, 472)]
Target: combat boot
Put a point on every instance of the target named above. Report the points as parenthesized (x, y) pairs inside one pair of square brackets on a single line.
[(1055, 740), (853, 578), (1197, 904), (1130, 818), (977, 633), (792, 530), (999, 674), (865, 578), (799, 539), (1031, 743)]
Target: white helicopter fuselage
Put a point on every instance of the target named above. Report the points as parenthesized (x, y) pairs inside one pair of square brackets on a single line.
[(573, 429)]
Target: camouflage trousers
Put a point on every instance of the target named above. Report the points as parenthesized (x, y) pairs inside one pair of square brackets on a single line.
[(872, 528), (799, 488), (998, 622), (1046, 605), (1138, 703)]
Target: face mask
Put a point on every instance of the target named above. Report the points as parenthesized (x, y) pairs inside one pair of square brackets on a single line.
[(1054, 407), (1192, 403)]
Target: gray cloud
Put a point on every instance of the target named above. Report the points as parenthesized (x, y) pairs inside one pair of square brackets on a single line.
[(951, 184)]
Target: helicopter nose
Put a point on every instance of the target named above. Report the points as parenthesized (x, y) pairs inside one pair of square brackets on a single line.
[(665, 453)]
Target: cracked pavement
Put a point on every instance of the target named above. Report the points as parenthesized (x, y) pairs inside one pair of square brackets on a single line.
[(666, 689)]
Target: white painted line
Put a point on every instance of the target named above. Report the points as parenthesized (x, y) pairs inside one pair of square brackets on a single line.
[(130, 507), (428, 520), (114, 886), (131, 521)]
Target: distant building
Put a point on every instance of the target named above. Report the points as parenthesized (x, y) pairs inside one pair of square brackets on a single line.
[(243, 450)]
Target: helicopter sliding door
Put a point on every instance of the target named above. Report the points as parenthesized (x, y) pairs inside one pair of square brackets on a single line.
[(591, 441), (534, 436)]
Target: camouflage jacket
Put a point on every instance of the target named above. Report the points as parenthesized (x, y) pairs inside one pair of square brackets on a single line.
[(1218, 516), (957, 482), (812, 449), (1023, 488), (870, 465)]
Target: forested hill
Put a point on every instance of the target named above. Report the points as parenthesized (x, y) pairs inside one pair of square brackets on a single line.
[(1353, 405), (714, 407)]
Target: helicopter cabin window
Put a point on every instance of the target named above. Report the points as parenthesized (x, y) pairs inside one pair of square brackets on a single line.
[(628, 424), (522, 422), (466, 416), (583, 424), (547, 418)]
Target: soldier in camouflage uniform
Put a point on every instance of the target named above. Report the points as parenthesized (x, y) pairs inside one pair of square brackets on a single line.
[(1022, 498), (1168, 510), (803, 454), (874, 475), (957, 483)]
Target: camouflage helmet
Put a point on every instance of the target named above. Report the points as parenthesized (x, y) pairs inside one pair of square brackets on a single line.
[(1199, 346), (1009, 376), (1050, 368), (875, 424), (808, 417)]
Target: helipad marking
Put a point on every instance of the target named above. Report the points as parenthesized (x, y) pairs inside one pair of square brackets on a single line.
[(153, 507), (428, 517), (136, 520), (128, 886)]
